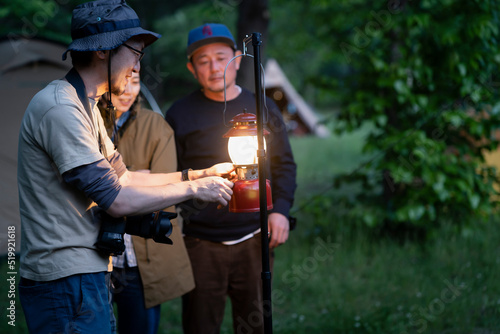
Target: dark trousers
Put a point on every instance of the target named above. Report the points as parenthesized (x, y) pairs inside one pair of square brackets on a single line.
[(128, 294), (221, 271)]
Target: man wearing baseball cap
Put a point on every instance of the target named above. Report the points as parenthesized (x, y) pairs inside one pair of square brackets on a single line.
[(224, 247), (69, 170)]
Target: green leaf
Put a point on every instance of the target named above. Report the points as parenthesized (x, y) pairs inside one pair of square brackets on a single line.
[(369, 219), (474, 200), (462, 69), (378, 64), (422, 100), (416, 212), (4, 11), (400, 87), (382, 120)]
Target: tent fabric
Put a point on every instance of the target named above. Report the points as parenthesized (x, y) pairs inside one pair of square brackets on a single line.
[(275, 77), (27, 65)]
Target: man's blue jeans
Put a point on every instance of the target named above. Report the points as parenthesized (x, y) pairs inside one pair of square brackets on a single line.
[(73, 304)]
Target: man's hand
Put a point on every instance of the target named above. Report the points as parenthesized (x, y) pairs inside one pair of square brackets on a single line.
[(225, 169), (213, 189), (279, 227)]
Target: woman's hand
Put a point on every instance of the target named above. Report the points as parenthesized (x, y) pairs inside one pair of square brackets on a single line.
[(225, 170)]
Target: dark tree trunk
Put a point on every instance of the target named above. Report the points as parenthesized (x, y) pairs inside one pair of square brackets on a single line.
[(253, 16)]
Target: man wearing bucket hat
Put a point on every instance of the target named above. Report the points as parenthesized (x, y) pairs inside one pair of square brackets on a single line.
[(69, 173), (224, 247)]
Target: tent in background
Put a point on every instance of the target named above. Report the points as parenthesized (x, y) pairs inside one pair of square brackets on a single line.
[(26, 66), (299, 117)]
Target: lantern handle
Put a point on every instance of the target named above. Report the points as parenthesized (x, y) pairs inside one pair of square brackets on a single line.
[(246, 40)]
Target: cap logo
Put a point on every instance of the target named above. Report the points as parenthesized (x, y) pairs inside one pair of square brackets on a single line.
[(207, 31)]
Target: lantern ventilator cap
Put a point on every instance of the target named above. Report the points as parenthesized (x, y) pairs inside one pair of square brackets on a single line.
[(244, 124)]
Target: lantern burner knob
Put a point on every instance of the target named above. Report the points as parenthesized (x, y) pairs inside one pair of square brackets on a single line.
[(247, 172)]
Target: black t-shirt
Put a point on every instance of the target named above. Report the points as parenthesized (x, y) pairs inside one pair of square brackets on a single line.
[(198, 124)]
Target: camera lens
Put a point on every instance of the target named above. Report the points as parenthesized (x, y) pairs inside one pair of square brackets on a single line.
[(155, 225), (163, 226)]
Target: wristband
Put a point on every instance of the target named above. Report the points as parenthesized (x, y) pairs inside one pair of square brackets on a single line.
[(185, 175)]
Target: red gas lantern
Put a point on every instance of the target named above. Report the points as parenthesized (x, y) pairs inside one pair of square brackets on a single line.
[(242, 147)]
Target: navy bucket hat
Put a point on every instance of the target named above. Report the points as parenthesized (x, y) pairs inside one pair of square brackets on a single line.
[(207, 34), (105, 25)]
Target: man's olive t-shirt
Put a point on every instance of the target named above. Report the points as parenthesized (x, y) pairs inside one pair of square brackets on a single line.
[(58, 232)]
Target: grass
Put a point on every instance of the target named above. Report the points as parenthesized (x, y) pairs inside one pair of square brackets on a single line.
[(332, 277), (447, 286)]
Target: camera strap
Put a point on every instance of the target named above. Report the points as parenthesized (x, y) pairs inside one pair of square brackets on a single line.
[(76, 81)]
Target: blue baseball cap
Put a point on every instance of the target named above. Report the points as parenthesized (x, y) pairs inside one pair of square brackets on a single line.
[(207, 34)]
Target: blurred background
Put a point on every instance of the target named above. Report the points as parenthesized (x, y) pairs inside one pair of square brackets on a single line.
[(393, 112)]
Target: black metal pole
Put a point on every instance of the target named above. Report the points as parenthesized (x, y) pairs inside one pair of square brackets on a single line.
[(261, 153)]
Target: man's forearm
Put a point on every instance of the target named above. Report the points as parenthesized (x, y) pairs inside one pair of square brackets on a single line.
[(135, 200), (155, 179), (142, 179)]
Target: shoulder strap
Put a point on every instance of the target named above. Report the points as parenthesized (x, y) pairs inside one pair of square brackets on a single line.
[(76, 81)]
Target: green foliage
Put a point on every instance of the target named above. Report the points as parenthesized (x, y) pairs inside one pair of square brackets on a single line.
[(297, 40), (37, 18), (423, 73)]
